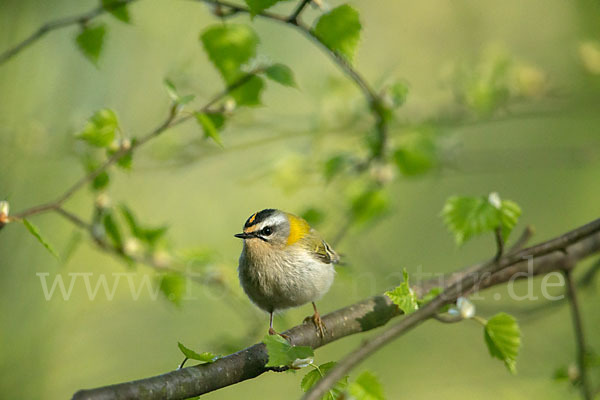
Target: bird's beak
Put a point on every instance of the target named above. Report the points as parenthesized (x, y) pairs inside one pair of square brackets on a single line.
[(245, 235)]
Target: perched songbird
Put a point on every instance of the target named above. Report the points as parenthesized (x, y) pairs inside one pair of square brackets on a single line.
[(284, 263)]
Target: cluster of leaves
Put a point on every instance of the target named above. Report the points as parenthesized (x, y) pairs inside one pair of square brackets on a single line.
[(467, 217)]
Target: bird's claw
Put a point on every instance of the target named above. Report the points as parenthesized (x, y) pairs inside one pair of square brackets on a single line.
[(319, 324), (274, 332)]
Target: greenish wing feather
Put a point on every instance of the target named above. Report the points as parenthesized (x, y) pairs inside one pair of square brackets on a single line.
[(323, 252)]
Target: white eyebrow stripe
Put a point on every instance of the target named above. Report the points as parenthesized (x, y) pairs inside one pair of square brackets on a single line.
[(272, 220)]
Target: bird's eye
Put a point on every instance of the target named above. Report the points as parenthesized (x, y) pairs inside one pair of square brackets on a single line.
[(267, 231)]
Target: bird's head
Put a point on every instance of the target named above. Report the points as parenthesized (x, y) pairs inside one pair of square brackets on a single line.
[(274, 228)]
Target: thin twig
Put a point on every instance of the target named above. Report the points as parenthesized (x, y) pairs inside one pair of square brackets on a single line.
[(374, 101), (58, 24), (586, 390), (294, 17)]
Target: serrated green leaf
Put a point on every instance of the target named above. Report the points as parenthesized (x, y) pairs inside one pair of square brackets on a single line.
[(118, 9), (100, 129), (281, 74), (282, 353), (206, 357), (210, 124), (229, 47), (403, 296), (36, 233), (90, 41), (432, 294), (311, 378), (339, 30), (258, 6), (416, 153), (366, 387), (249, 93), (173, 286), (369, 205), (470, 216), (112, 230), (503, 338)]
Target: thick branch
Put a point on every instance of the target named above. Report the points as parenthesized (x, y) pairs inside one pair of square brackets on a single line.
[(58, 24), (363, 316), (472, 281)]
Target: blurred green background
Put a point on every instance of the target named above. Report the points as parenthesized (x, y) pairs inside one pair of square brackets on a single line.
[(541, 151)]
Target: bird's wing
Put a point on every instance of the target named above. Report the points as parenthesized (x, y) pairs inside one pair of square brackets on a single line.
[(324, 253)]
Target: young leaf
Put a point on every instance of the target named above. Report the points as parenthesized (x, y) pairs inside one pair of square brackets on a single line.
[(339, 30), (317, 374), (118, 9), (211, 123), (90, 41), (369, 205), (366, 387), (335, 165), (112, 230), (282, 353), (403, 296), (432, 294), (100, 129), (249, 93), (147, 235), (397, 92), (206, 357), (229, 47), (36, 233), (173, 286), (470, 216), (258, 6), (281, 74), (416, 153), (503, 339), (172, 91)]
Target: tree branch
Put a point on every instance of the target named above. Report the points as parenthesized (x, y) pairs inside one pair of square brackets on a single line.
[(373, 99), (586, 389), (362, 316), (58, 24)]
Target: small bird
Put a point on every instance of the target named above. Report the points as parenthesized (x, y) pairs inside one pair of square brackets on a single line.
[(285, 263)]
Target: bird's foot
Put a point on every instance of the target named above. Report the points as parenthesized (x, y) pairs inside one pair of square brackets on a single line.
[(319, 324), (274, 332)]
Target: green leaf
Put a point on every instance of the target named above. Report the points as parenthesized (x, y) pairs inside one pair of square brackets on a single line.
[(173, 286), (313, 216), (317, 374), (339, 30), (249, 93), (470, 216), (281, 74), (335, 165), (206, 357), (366, 387), (36, 233), (258, 6), (149, 236), (403, 296), (101, 181), (90, 41), (367, 206), (416, 153), (178, 99), (503, 338), (229, 47), (118, 9), (112, 230), (211, 123), (432, 294), (398, 92), (100, 129), (282, 353)]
